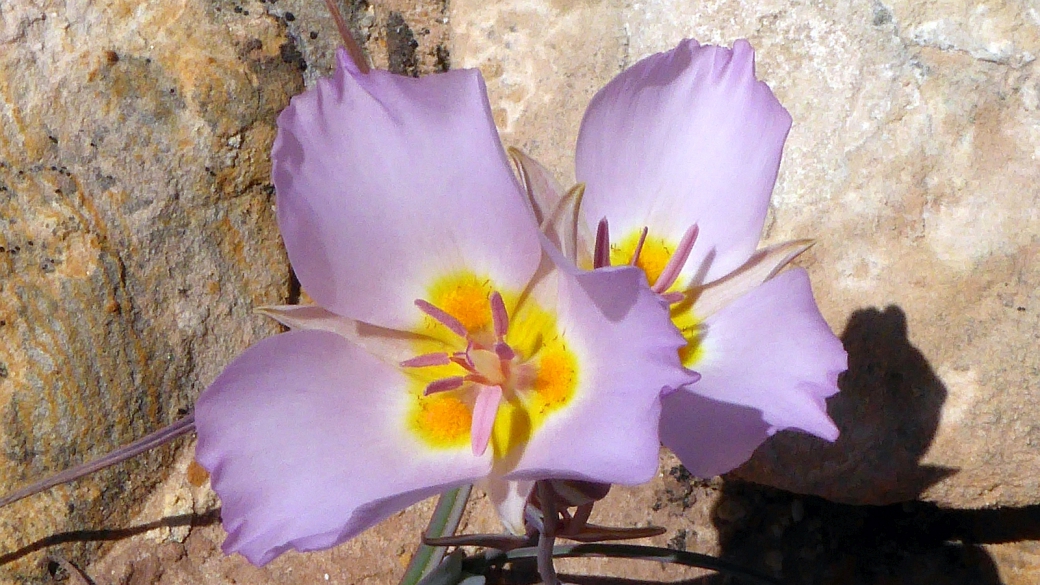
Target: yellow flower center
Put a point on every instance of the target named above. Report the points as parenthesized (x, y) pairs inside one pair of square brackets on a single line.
[(474, 338), (442, 419), (692, 331), (653, 257)]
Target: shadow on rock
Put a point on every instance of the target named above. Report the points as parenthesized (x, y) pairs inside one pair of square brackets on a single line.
[(108, 535), (805, 540), (888, 412)]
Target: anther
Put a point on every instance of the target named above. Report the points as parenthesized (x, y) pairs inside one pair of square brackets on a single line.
[(503, 351), (444, 384), (427, 360), (601, 251), (442, 317), (499, 316), (639, 246), (677, 261)]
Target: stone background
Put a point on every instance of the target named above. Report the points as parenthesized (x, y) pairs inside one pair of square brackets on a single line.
[(136, 236), (913, 164)]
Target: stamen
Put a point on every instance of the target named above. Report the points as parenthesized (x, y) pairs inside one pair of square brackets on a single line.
[(499, 316), (503, 351), (442, 317), (485, 410), (677, 261), (444, 384), (426, 360), (468, 356), (601, 253), (639, 246), (462, 358)]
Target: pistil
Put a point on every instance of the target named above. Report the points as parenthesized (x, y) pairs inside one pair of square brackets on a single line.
[(485, 410), (489, 366)]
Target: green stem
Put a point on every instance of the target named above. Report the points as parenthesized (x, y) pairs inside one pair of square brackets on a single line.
[(444, 522), (479, 564)]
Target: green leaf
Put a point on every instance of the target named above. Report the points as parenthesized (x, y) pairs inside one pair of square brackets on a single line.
[(444, 522)]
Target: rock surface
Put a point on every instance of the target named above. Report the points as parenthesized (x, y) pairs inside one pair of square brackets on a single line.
[(803, 540), (912, 162), (137, 236), (136, 226)]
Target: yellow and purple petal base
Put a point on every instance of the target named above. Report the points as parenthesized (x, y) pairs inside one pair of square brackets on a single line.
[(305, 439)]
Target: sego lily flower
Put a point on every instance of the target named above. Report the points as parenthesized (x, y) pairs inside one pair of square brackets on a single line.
[(676, 160), (448, 345)]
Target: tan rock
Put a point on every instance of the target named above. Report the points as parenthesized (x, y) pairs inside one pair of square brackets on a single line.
[(912, 162), (543, 60), (1018, 562), (137, 230), (403, 36), (137, 235), (796, 538)]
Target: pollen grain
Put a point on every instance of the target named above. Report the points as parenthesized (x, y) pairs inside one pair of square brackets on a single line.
[(442, 420), (467, 299), (556, 378)]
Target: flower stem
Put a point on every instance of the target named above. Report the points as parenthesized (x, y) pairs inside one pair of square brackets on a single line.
[(444, 522), (480, 563), (146, 443), (547, 499)]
